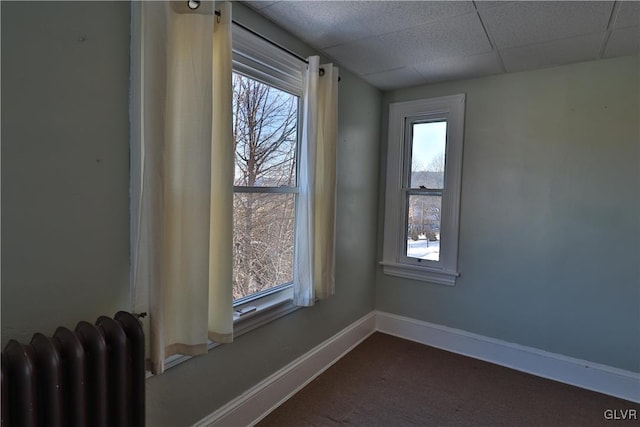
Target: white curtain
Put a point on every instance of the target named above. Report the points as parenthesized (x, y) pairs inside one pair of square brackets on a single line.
[(183, 185), (314, 272)]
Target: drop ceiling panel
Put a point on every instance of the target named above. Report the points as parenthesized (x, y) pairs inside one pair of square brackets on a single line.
[(628, 14), (393, 16), (260, 4), (557, 52), (319, 23), (395, 79), (460, 67), (525, 23), (482, 4), (625, 41), (325, 24), (366, 57), (459, 36)]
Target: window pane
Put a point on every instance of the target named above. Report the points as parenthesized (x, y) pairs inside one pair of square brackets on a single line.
[(423, 227), (265, 134), (262, 241), (427, 155)]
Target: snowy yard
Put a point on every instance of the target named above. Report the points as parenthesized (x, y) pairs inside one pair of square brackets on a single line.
[(423, 249)]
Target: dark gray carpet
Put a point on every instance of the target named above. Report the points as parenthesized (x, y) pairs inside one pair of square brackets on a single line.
[(388, 381)]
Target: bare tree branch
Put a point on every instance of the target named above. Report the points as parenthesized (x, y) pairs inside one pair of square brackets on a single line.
[(264, 131)]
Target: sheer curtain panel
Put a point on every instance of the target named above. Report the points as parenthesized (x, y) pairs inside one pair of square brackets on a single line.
[(182, 176), (314, 273)]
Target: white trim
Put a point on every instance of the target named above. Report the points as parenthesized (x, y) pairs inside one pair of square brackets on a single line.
[(394, 261), (433, 275), (581, 373), (257, 402)]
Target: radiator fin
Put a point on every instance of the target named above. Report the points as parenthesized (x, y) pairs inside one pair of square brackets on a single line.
[(92, 376)]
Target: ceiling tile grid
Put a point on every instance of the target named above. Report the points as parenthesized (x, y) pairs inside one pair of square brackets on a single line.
[(330, 23), (393, 44), (458, 36), (525, 23)]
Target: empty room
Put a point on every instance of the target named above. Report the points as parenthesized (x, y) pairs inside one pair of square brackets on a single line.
[(313, 213)]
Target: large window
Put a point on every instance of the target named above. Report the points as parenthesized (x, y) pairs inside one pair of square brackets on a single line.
[(265, 127), (267, 87), (423, 189)]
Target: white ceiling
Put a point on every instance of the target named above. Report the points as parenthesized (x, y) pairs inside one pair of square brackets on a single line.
[(394, 44)]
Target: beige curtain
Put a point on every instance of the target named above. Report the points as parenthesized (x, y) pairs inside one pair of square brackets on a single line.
[(314, 272), (182, 206)]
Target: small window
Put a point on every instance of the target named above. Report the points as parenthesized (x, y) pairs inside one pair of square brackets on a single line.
[(427, 144), (423, 189)]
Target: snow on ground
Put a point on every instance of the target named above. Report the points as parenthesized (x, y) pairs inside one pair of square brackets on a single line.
[(423, 249)]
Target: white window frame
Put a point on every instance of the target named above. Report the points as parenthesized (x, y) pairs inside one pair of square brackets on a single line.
[(262, 61), (401, 117)]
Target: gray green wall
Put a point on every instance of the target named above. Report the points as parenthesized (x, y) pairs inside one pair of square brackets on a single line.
[(550, 217), (65, 164), (65, 160), (550, 230)]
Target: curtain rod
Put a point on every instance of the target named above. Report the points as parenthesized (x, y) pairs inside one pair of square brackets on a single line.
[(271, 42), (260, 36)]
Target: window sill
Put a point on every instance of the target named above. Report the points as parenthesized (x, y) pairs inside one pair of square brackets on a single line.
[(424, 274), (264, 309)]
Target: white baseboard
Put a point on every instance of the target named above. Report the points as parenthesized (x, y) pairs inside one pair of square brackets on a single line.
[(256, 403), (568, 370)]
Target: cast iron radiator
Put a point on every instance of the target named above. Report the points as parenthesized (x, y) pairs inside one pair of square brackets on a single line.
[(93, 376)]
